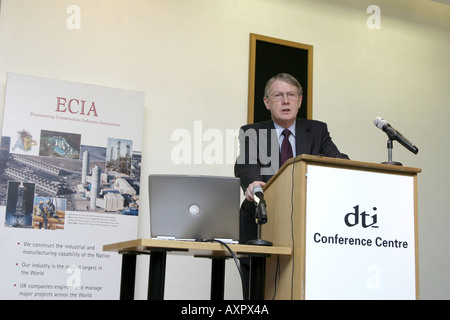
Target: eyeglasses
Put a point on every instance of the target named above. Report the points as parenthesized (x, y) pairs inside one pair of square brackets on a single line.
[(278, 96)]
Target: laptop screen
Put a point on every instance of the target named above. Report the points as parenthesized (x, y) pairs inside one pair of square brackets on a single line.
[(194, 207)]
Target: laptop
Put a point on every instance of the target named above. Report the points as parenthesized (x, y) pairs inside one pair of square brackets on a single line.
[(194, 208)]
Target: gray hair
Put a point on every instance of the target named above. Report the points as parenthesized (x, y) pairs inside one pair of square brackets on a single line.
[(286, 78)]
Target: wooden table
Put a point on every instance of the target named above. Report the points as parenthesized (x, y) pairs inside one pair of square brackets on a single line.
[(158, 250)]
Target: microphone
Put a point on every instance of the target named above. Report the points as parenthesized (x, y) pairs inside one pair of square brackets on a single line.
[(393, 134), (260, 204)]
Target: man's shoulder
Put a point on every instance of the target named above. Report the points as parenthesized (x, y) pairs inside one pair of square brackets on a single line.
[(310, 124), (259, 125)]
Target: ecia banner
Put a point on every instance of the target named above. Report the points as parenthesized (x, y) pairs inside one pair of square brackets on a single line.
[(69, 179)]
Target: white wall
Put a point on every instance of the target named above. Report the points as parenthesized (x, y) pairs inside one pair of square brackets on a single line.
[(191, 60)]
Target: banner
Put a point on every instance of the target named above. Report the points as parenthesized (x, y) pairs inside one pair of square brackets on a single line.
[(69, 183), (360, 239)]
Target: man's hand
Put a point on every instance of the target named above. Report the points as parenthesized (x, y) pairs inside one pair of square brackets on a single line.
[(249, 190)]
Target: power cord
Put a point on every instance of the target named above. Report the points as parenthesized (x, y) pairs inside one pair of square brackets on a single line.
[(238, 266), (276, 277)]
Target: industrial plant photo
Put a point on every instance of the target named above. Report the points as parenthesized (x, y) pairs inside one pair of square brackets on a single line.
[(97, 179)]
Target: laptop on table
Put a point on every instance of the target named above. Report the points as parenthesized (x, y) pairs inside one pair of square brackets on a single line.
[(194, 208)]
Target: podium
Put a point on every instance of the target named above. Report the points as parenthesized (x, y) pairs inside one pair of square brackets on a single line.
[(352, 227)]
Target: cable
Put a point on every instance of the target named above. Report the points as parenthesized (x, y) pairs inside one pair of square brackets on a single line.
[(277, 269), (238, 266)]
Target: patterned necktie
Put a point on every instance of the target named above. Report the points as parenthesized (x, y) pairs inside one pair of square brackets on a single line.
[(286, 148)]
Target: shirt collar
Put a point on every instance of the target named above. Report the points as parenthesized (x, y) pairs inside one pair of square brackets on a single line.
[(280, 129)]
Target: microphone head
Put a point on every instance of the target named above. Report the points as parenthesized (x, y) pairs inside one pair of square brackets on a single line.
[(379, 122), (257, 189)]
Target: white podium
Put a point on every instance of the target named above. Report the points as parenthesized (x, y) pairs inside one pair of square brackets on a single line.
[(352, 227)]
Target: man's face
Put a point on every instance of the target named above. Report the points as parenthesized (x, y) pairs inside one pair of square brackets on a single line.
[(283, 103)]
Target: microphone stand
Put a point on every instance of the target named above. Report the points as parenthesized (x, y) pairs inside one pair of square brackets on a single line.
[(390, 145), (259, 222)]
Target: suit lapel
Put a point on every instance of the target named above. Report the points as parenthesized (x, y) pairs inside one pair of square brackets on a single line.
[(302, 128)]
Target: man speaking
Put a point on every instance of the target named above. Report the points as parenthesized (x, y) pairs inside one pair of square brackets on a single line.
[(265, 146)]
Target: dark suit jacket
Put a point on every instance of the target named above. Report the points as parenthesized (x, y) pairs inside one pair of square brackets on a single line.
[(257, 160)]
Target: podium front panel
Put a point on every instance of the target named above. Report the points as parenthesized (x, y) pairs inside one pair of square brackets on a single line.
[(360, 234)]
